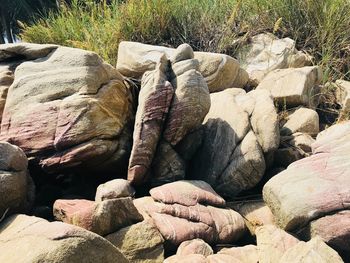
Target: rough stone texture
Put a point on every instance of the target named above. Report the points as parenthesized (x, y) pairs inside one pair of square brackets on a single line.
[(154, 101), (239, 131), (193, 258), (299, 140), (220, 71), (194, 246), (140, 242), (333, 229), (6, 79), (26, 239), (313, 251), (114, 189), (16, 186), (265, 53), (343, 94), (222, 258), (187, 193), (293, 86), (314, 186), (245, 254), (302, 120), (99, 217), (273, 243), (255, 213), (66, 108)]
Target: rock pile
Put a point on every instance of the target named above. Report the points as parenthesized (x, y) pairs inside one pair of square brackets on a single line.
[(170, 156)]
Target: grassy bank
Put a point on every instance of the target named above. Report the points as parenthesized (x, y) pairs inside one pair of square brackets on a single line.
[(320, 27)]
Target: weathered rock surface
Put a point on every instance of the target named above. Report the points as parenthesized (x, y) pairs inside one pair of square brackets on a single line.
[(193, 258), (293, 86), (174, 100), (273, 243), (32, 239), (333, 229), (313, 251), (114, 189), (102, 217), (314, 186), (255, 213), (302, 120), (343, 94), (265, 53), (194, 246), (239, 131), (6, 79), (222, 258), (16, 186), (245, 254), (186, 210), (140, 242), (220, 71), (79, 122)]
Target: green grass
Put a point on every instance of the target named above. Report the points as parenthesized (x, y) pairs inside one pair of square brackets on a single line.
[(320, 27)]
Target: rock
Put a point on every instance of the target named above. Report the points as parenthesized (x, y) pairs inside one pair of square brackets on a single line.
[(292, 148), (314, 251), (220, 71), (101, 218), (333, 229), (194, 246), (246, 254), (273, 243), (16, 186), (143, 205), (293, 86), (6, 79), (193, 258), (343, 94), (114, 189), (302, 120), (188, 193), (36, 240), (239, 131), (314, 186), (255, 213), (222, 258), (265, 53), (57, 126), (154, 101), (140, 242)]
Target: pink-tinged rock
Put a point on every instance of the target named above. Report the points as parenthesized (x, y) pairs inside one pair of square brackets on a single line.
[(273, 243), (313, 251), (114, 189), (314, 186), (187, 193), (154, 102), (193, 258), (333, 229), (194, 246), (67, 108), (179, 223), (31, 239), (99, 217), (255, 213), (246, 254)]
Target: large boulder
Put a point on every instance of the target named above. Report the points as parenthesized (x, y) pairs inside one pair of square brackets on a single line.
[(6, 79), (220, 71), (16, 185), (313, 251), (315, 186), (32, 239), (265, 53), (140, 242), (194, 246), (66, 108), (114, 189), (240, 132), (173, 102), (293, 86), (245, 254), (101, 218), (186, 210)]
